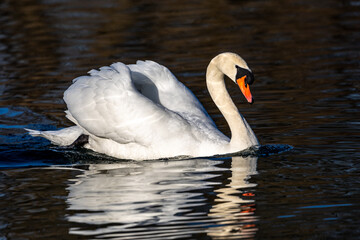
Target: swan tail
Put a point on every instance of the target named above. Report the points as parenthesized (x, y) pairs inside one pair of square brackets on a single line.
[(62, 137)]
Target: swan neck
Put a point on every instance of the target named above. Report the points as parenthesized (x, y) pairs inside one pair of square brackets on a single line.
[(241, 133)]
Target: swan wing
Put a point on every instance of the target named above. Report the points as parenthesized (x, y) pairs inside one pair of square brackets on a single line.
[(106, 104), (162, 87)]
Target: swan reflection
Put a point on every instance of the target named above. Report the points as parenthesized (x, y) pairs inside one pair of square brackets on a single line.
[(233, 208), (162, 198)]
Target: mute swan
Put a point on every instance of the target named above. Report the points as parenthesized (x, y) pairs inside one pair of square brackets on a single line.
[(141, 111)]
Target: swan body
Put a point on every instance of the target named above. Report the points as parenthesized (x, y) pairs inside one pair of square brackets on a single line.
[(141, 111)]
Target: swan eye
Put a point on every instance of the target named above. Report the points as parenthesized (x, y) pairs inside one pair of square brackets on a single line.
[(242, 72)]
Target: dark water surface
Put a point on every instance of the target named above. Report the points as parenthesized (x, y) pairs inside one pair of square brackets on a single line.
[(306, 60)]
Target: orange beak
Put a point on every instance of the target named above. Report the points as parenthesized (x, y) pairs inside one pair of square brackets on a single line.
[(245, 89)]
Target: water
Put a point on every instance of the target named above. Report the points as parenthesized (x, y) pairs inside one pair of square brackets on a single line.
[(306, 59)]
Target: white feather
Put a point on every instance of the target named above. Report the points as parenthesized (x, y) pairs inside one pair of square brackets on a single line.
[(63, 137)]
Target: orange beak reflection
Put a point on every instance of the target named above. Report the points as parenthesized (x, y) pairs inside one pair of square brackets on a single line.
[(245, 89)]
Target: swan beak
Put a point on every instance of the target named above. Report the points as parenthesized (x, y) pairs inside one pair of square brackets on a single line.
[(245, 89)]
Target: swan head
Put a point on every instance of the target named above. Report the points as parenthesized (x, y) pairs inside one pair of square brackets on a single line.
[(233, 66)]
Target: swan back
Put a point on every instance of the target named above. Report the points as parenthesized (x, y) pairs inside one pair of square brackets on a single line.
[(158, 84)]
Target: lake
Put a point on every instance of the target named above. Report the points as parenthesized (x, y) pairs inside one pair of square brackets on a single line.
[(305, 56)]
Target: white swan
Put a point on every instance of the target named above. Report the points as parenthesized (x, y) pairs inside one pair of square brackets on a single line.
[(142, 111)]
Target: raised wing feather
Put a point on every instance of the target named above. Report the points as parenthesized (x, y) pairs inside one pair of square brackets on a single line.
[(107, 105), (159, 84)]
